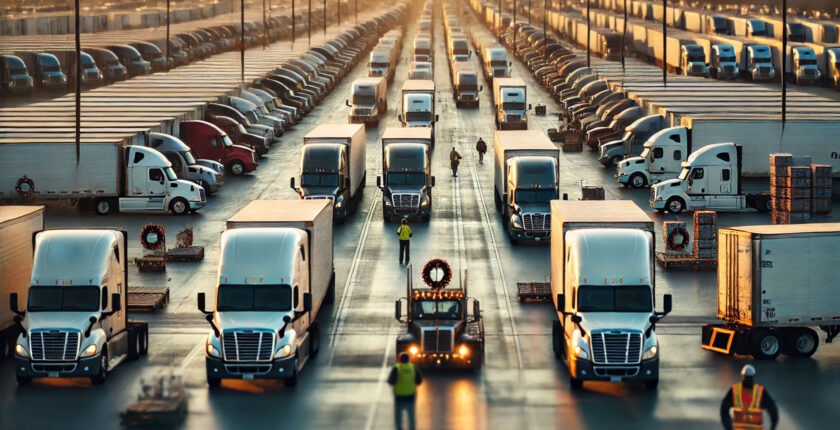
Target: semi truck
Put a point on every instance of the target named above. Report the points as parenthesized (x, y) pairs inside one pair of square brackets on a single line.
[(465, 85), (380, 63), (418, 105), (757, 63), (722, 62), (775, 283), (510, 99), (801, 67), (110, 175), (603, 288), (441, 327), (759, 136), (832, 67), (710, 179), (406, 182), (210, 142), (368, 100), (693, 60), (208, 174), (632, 142), (332, 166), (275, 274), (17, 225), (526, 179), (75, 320), (45, 70), (496, 64), (14, 77)]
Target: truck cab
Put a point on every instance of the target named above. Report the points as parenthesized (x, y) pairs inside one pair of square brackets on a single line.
[(406, 181), (207, 174), (418, 111), (722, 62), (757, 27), (466, 87), (46, 70), (437, 328), (832, 64), (693, 60), (257, 114), (531, 185), (368, 100), (380, 63), (110, 65), (510, 105), (14, 77), (758, 64), (130, 57), (152, 185), (74, 322), (661, 159), (632, 142), (208, 141), (803, 66), (239, 135), (496, 63)]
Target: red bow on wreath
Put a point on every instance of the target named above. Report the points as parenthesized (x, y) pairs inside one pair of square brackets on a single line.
[(443, 266)]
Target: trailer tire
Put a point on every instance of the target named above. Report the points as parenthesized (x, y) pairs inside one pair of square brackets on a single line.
[(104, 206), (134, 347), (763, 204), (800, 343), (765, 344), (637, 180), (556, 332), (100, 377), (179, 206), (675, 205), (144, 339), (314, 340)]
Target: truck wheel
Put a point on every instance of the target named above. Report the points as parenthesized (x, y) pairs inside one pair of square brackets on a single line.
[(314, 340), (498, 201), (675, 205), (765, 344), (556, 332), (104, 206), (133, 342), (425, 218), (144, 339), (214, 382), (292, 380), (800, 342), (23, 380), (103, 368), (637, 180), (179, 206), (763, 204), (237, 168)]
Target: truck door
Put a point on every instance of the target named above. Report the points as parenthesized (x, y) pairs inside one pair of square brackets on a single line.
[(697, 181), (726, 199), (156, 186)]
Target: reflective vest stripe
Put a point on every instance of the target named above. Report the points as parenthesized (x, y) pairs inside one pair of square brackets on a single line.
[(405, 380), (750, 416)]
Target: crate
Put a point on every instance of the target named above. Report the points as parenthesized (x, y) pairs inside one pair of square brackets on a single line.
[(147, 299), (539, 109), (821, 206), (781, 159), (554, 135), (592, 192), (669, 229), (533, 292), (799, 172), (802, 205), (572, 142)]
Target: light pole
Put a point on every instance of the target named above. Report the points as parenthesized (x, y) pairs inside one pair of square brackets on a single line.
[(242, 41), (293, 21), (325, 17), (309, 23)]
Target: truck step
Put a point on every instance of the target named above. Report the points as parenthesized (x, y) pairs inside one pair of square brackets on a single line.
[(147, 299), (717, 338), (538, 292), (685, 261)]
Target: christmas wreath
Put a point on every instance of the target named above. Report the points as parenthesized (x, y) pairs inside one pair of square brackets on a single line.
[(152, 236), (672, 239), (25, 187), (443, 266)]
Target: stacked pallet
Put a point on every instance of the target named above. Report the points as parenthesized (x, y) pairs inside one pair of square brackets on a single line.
[(791, 188), (820, 189), (779, 164), (705, 234)]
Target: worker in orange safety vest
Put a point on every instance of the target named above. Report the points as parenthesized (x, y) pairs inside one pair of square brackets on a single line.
[(747, 401)]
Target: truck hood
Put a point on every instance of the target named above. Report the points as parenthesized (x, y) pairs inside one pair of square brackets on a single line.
[(531, 208), (251, 320), (319, 191), (406, 189), (664, 184), (595, 321), (59, 320)]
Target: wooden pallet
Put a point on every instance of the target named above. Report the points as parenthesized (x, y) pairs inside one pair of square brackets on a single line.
[(685, 261), (572, 141), (188, 253), (151, 263), (147, 299), (533, 292)]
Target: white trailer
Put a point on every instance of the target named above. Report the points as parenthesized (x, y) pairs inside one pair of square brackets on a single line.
[(275, 274), (775, 282), (17, 226)]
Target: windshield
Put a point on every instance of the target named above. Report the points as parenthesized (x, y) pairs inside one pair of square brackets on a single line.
[(513, 106), (418, 116), (430, 309), (684, 174), (727, 59), (227, 141), (535, 196), (63, 298), (808, 62), (170, 174), (254, 298), (385, 65), (319, 180), (17, 71), (696, 58), (52, 69), (188, 157), (364, 100), (406, 179), (498, 63), (614, 298)]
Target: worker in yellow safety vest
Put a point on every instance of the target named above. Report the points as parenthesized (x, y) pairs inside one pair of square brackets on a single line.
[(747, 402), (404, 377)]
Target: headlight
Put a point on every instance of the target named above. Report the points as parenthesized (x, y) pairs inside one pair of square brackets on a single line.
[(516, 221), (463, 350), (21, 351), (581, 353), (650, 353), (212, 351), (338, 203), (413, 350), (89, 351), (283, 352)]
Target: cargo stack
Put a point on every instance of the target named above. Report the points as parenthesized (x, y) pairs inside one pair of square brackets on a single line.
[(791, 188), (779, 164), (705, 234), (820, 189)]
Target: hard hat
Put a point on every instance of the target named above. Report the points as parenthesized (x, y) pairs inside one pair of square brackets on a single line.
[(747, 370)]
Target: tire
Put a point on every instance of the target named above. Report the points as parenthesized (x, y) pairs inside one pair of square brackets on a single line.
[(556, 343), (104, 206), (330, 298), (637, 180), (237, 168), (498, 201), (765, 344), (292, 381), (134, 347), (144, 339), (651, 384), (179, 206), (675, 205), (763, 204), (214, 383), (6, 346), (425, 218), (800, 343), (314, 340), (23, 380), (100, 378)]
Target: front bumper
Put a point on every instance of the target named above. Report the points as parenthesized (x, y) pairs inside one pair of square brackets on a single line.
[(88, 366), (589, 371), (536, 235), (276, 369)]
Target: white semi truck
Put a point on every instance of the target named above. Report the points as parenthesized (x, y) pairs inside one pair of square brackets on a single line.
[(602, 285), (526, 179), (368, 100), (510, 98), (775, 282), (111, 175), (332, 166), (418, 105), (17, 225), (275, 274), (75, 321)]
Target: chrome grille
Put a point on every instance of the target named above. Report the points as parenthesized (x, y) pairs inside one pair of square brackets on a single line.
[(652, 194), (437, 340), (514, 118), (406, 200), (54, 345), (202, 195), (319, 197), (537, 221), (248, 345), (728, 69), (220, 179), (616, 348), (810, 72)]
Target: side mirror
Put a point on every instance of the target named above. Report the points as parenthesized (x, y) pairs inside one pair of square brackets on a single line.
[(529, 106), (292, 183), (116, 304), (437, 118), (347, 102), (576, 319), (433, 181), (378, 182), (400, 117), (480, 88), (307, 302), (201, 304), (347, 182), (561, 303), (668, 303), (476, 311), (398, 309), (13, 304)]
